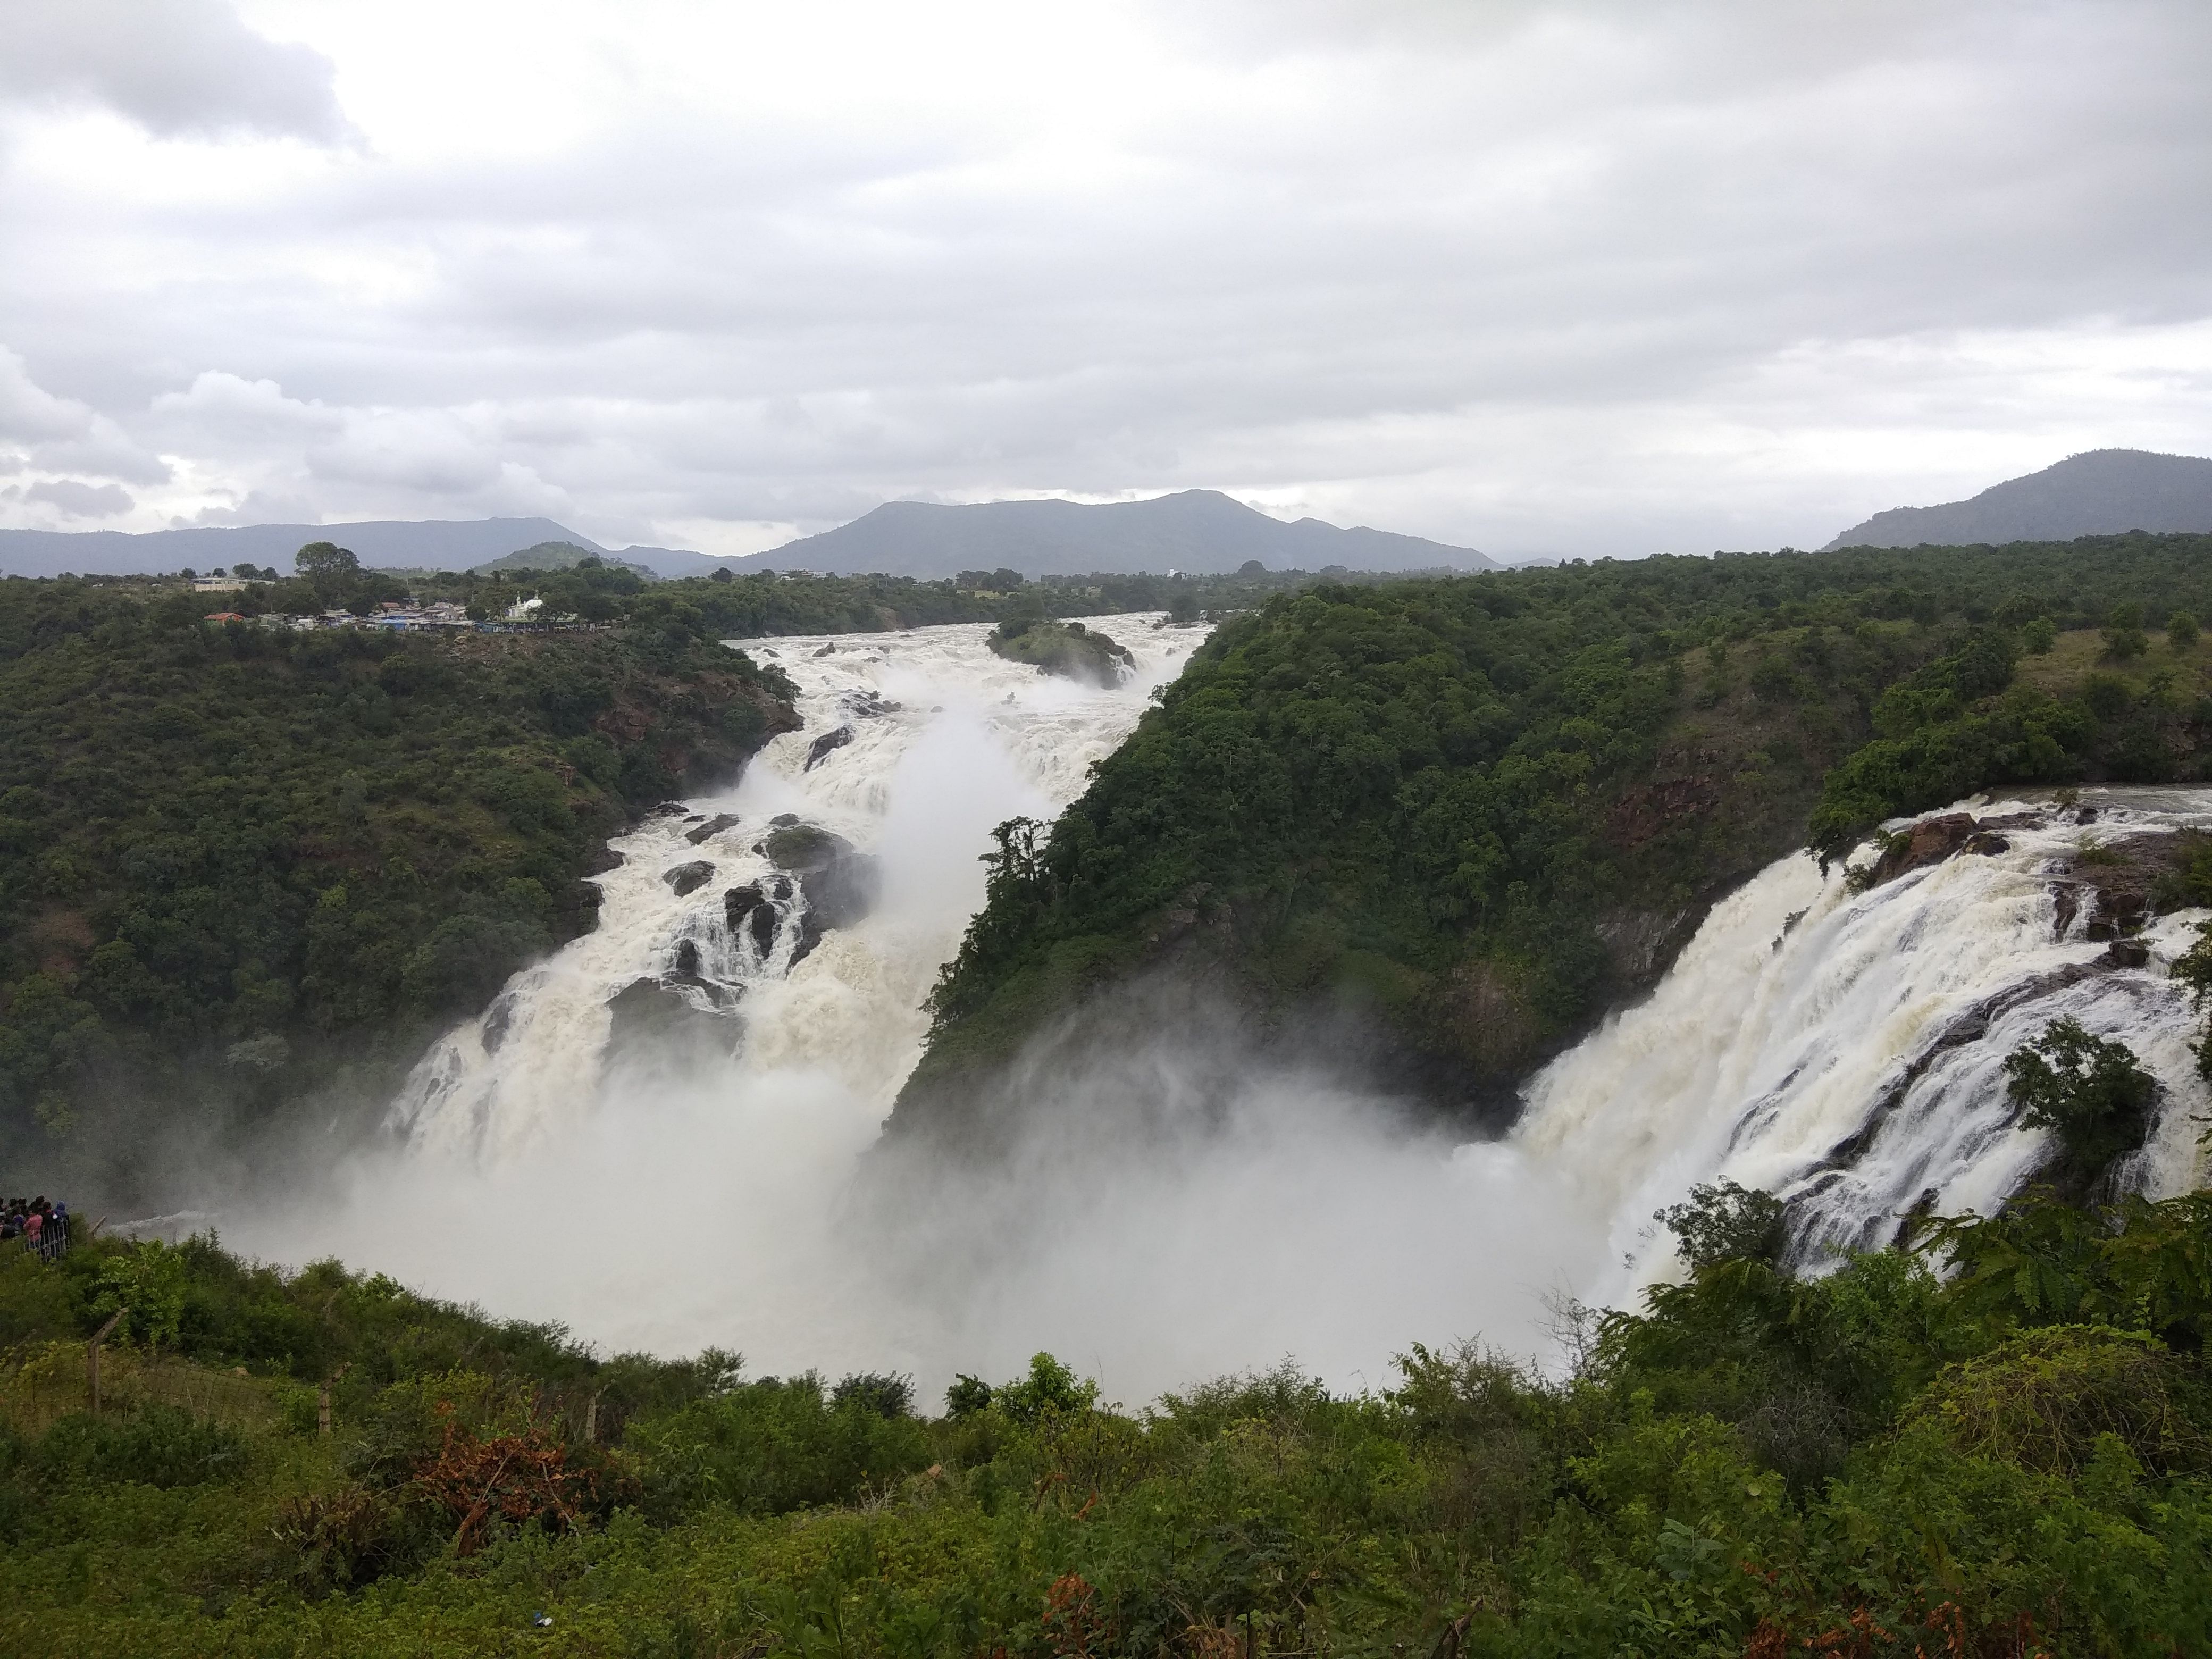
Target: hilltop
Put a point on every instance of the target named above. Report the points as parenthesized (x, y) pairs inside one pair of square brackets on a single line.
[(1201, 532), (559, 555), (2102, 492)]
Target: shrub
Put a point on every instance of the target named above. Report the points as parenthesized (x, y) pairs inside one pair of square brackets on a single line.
[(2181, 629), (155, 1446), (2037, 636), (2092, 1094), (886, 1395), (1049, 1388), (967, 1396), (2124, 634), (767, 1447), (146, 1286), (2043, 1400)]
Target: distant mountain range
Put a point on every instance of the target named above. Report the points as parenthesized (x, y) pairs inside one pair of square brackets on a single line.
[(1200, 531), (431, 544), (2099, 492)]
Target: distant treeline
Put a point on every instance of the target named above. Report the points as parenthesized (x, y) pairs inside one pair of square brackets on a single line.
[(758, 603)]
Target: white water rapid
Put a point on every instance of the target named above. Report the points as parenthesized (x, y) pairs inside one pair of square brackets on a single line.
[(671, 1164)]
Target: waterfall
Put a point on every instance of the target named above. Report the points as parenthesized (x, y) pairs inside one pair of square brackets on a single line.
[(1845, 1051), (653, 1132), (912, 746)]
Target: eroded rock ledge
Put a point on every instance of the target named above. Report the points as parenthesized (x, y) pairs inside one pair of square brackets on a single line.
[(2107, 890)]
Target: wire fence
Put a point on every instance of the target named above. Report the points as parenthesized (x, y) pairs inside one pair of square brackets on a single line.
[(44, 1381), (50, 1243)]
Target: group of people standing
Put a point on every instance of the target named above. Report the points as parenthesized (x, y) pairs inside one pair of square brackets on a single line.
[(43, 1227)]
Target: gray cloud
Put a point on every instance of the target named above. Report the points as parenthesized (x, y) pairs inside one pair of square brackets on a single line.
[(178, 68), (81, 500), (1580, 278)]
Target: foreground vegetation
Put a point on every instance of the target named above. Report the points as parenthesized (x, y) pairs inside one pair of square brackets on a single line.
[(1473, 811), (244, 870), (2017, 1461)]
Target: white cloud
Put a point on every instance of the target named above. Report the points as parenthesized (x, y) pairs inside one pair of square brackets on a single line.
[(65, 436), (29, 413), (1593, 277)]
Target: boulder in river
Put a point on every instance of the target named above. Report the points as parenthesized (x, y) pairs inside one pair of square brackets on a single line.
[(713, 826), (650, 1020), (1928, 841), (688, 878), (839, 882), (825, 745), (749, 909)]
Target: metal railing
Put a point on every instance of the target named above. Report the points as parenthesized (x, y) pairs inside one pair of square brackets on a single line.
[(51, 1242)]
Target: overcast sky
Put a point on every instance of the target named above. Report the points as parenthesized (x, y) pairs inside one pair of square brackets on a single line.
[(1563, 278)]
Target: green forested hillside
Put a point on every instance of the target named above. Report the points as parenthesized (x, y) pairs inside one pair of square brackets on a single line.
[(1880, 1463), (240, 866), (1472, 811)]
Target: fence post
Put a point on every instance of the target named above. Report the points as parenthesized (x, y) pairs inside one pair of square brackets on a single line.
[(323, 1398), (591, 1418), (92, 1356)]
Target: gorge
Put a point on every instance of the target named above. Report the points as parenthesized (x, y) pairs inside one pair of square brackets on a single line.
[(704, 1076)]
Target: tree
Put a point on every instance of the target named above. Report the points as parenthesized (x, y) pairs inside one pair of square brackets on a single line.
[(2092, 1094), (2124, 634), (2181, 629), (325, 562), (146, 1286), (1051, 1389), (1726, 1223)]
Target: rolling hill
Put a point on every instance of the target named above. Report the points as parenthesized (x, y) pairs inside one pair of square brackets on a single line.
[(2100, 492), (1200, 530)]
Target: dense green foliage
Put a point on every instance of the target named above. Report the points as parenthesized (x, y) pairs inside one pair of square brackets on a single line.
[(1875, 1462), (1477, 807), (1961, 724), (239, 865)]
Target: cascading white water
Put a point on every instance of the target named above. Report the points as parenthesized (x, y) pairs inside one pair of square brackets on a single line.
[(1846, 1052), (913, 745), (704, 1192), (1843, 1050)]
